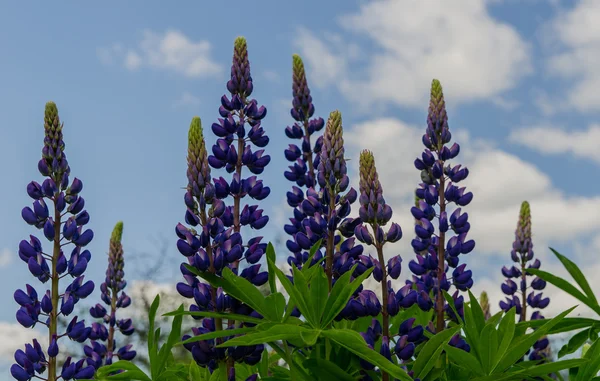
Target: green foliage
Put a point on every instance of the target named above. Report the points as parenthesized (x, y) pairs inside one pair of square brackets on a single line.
[(163, 366), (319, 348)]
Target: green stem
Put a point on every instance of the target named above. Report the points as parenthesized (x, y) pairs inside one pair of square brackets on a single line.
[(52, 368)]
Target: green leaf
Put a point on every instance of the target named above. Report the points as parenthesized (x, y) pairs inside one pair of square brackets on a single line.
[(311, 254), (522, 345), (431, 361), (340, 294), (470, 329), (273, 257), (464, 359), (354, 343), (194, 371), (430, 347), (489, 346), (276, 332), (263, 365), (174, 337), (276, 303), (566, 287), (574, 343), (450, 301), (565, 325), (301, 286), (242, 318), (327, 370), (319, 290), (132, 372), (292, 291), (552, 367), (589, 370), (478, 316), (218, 334), (151, 339), (507, 332), (577, 275)]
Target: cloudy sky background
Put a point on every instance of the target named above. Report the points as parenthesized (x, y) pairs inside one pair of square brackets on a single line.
[(520, 80)]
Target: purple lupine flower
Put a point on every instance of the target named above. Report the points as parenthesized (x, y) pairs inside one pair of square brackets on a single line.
[(62, 227), (302, 171), (516, 290), (114, 296), (407, 338), (436, 253), (323, 214), (216, 241)]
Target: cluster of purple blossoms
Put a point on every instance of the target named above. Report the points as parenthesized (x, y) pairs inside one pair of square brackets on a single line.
[(65, 226), (302, 171), (115, 298), (321, 209), (214, 241), (375, 214), (407, 338), (436, 254), (322, 214), (522, 255)]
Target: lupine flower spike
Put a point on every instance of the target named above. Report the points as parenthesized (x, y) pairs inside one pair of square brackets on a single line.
[(375, 213), (485, 305), (217, 243), (302, 171), (62, 227), (522, 254), (438, 190), (114, 296)]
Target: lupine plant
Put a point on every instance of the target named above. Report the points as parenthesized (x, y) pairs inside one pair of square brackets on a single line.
[(218, 243), (61, 225), (329, 327), (114, 296), (524, 295), (436, 253)]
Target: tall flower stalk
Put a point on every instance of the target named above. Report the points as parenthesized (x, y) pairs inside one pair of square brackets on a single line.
[(218, 243), (375, 213), (522, 254), (305, 159), (114, 296), (65, 226), (438, 252)]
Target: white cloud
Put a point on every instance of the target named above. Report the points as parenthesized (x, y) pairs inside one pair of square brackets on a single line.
[(579, 33), (327, 66), (499, 181), (553, 140), (6, 257), (19, 336), (170, 51), (474, 55), (186, 99)]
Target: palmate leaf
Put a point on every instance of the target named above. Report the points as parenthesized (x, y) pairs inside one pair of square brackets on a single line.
[(521, 345), (428, 352), (238, 287), (354, 343)]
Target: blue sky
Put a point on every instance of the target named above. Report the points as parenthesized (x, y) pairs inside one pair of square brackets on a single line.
[(520, 80)]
